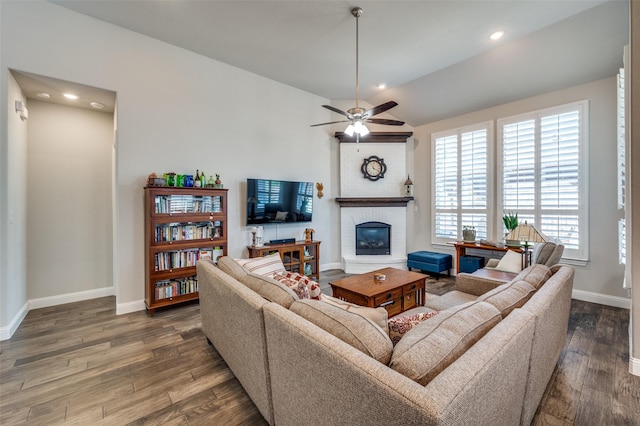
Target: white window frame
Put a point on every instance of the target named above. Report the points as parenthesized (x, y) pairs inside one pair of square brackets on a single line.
[(488, 126), (582, 253)]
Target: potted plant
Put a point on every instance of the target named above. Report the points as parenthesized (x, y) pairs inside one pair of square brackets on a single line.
[(469, 234), (510, 221)]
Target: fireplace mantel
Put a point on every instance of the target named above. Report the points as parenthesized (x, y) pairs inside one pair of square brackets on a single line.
[(373, 201)]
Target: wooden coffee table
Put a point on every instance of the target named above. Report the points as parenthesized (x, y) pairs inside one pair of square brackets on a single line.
[(400, 291)]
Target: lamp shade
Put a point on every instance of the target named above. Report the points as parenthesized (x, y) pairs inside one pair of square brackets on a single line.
[(527, 233)]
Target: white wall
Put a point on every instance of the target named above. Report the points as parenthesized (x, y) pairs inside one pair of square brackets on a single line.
[(13, 292), (69, 212), (177, 111), (601, 279)]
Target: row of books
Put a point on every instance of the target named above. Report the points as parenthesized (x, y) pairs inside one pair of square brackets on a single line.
[(185, 258), (188, 204), (172, 288), (192, 231)]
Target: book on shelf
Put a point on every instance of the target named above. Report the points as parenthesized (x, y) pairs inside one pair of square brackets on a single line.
[(216, 253)]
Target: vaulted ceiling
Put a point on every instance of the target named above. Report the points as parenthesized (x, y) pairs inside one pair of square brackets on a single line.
[(435, 56)]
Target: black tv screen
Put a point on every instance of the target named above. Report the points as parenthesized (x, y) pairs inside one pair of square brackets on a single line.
[(278, 201)]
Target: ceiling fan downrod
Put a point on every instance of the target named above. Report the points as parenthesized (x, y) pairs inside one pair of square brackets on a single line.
[(357, 13)]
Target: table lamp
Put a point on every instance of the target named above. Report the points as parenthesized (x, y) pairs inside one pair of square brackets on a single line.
[(528, 234)]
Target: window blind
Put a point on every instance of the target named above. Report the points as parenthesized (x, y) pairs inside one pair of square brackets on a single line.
[(460, 182), (543, 173)]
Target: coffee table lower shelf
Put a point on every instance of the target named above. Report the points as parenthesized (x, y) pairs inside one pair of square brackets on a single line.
[(400, 291)]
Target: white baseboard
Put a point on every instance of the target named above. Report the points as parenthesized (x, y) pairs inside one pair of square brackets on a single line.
[(330, 266), (45, 302), (127, 308), (603, 299), (7, 332), (634, 366)]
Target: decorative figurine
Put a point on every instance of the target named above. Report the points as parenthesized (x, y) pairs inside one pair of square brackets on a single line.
[(308, 235), (320, 187)]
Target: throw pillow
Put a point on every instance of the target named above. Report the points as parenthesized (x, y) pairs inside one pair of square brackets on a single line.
[(510, 262), (379, 316), (351, 328), (265, 266), (281, 215), (312, 286), (400, 324), (298, 286)]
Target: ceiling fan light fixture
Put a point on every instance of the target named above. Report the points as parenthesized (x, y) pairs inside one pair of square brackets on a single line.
[(363, 130), (350, 130)]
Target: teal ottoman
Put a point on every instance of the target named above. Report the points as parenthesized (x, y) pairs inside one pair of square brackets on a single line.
[(428, 261)]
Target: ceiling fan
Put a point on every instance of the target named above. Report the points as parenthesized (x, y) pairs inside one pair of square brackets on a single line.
[(357, 117)]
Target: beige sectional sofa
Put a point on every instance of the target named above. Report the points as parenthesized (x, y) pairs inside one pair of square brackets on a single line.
[(486, 358)]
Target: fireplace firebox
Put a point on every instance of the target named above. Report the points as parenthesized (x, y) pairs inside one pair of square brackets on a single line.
[(373, 238)]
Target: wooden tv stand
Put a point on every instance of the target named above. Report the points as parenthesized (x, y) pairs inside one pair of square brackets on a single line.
[(293, 256)]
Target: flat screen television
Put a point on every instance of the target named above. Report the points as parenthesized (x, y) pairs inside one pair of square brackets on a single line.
[(278, 201)]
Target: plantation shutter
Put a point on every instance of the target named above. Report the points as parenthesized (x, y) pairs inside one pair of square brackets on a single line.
[(460, 164), (544, 173)]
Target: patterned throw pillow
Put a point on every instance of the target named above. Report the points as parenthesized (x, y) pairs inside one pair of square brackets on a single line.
[(400, 324), (266, 265), (313, 288), (298, 286)]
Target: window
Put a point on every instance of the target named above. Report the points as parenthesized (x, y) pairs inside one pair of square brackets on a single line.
[(542, 173), (460, 182), (541, 160)]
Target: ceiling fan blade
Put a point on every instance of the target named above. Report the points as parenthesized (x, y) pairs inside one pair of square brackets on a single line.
[(330, 122), (380, 108), (336, 110), (385, 121)]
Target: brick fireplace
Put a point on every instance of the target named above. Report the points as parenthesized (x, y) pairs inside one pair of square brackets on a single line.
[(382, 201)]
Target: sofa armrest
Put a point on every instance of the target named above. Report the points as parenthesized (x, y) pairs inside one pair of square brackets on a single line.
[(474, 284)]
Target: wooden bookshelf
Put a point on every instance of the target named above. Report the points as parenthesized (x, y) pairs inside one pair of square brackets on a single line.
[(182, 226)]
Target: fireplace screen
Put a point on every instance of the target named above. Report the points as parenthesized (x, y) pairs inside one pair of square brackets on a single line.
[(373, 238)]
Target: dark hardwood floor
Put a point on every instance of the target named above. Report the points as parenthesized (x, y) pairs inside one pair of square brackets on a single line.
[(81, 364)]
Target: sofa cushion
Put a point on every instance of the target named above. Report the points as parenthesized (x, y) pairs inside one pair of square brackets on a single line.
[(510, 262), (350, 327), (270, 289), (231, 267), (402, 323), (265, 265), (379, 315), (536, 275), (448, 300), (509, 296), (431, 346)]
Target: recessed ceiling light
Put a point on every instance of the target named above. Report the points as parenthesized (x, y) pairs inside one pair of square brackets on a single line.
[(497, 35), (70, 96), (96, 105), (44, 95), (382, 86)]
